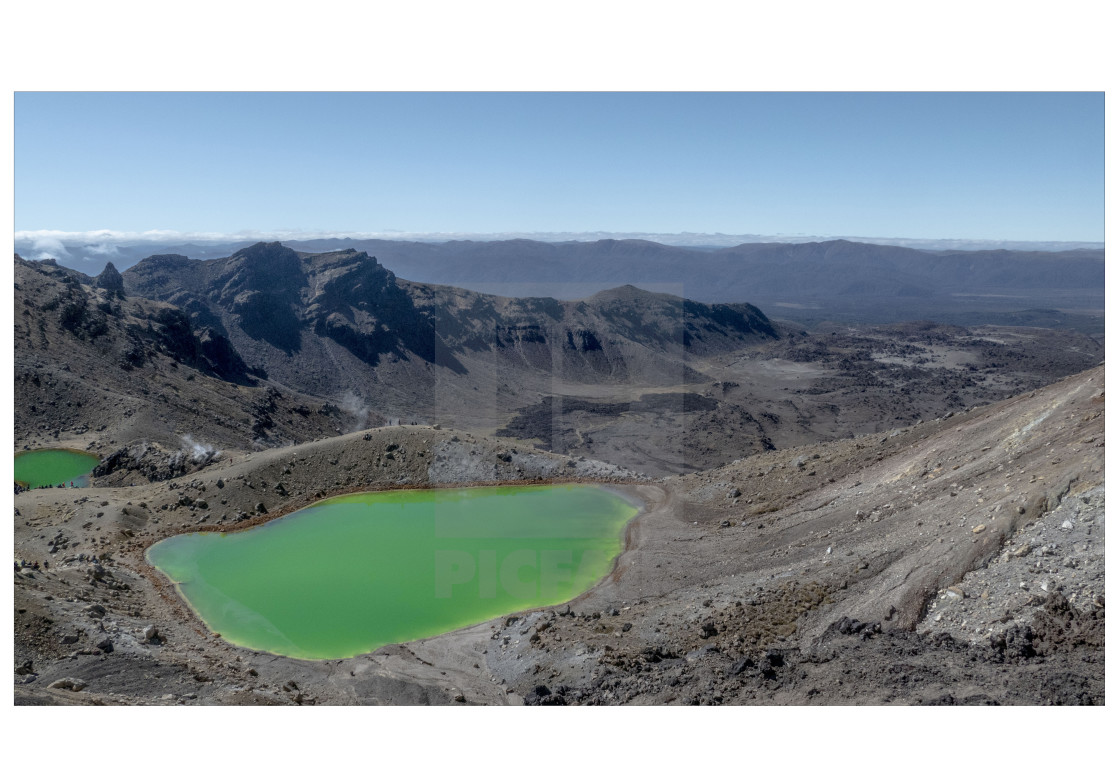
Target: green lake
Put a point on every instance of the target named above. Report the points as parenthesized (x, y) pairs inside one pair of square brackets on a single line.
[(51, 467), (351, 574)]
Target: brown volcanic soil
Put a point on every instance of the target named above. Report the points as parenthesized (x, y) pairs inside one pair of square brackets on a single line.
[(842, 381), (798, 576)]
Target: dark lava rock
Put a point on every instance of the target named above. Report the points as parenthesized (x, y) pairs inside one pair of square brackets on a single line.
[(656, 654), (543, 696), (849, 627), (110, 279), (1013, 644), (153, 461), (1060, 628), (740, 666)]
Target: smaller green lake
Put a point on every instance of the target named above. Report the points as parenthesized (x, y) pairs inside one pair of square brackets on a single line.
[(51, 467), (354, 573)]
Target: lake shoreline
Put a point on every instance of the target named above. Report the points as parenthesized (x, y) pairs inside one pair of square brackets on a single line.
[(165, 572)]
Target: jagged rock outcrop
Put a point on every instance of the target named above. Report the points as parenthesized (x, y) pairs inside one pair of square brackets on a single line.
[(308, 306), (92, 362), (110, 280), (155, 462)]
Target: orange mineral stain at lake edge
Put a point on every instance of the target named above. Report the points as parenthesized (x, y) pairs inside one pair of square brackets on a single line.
[(351, 574)]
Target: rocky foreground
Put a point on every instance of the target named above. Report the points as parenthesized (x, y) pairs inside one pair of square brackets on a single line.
[(954, 561)]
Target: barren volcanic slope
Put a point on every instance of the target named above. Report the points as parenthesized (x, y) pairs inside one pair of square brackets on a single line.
[(341, 326), (311, 319), (956, 561), (648, 381), (95, 369), (906, 513)]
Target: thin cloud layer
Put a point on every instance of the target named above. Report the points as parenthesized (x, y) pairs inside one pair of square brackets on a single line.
[(49, 243), (46, 247)]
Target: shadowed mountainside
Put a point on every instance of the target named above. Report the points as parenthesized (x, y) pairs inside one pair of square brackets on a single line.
[(334, 322), (93, 362)]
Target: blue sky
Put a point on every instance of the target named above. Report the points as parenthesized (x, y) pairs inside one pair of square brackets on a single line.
[(1022, 166)]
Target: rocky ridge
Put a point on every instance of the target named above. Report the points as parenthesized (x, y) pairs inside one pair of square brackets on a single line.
[(96, 369), (334, 322)]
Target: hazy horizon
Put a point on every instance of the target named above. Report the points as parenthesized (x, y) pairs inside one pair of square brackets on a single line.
[(58, 244)]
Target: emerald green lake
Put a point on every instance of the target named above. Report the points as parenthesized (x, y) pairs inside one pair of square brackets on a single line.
[(51, 467), (351, 574)]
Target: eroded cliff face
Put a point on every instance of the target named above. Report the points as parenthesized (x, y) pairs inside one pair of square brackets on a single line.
[(341, 326), (273, 294), (100, 370)]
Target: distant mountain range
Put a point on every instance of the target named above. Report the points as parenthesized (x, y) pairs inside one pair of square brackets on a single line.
[(809, 281), (741, 273), (79, 249)]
